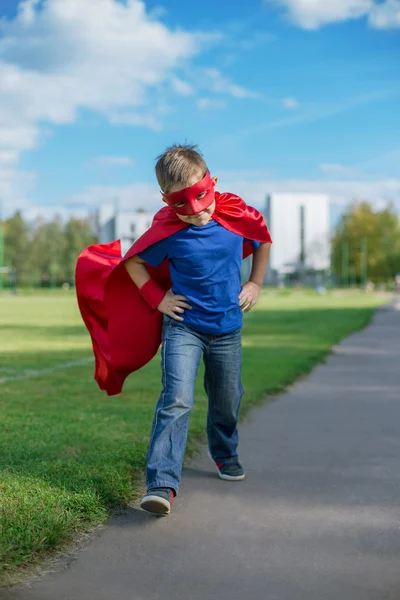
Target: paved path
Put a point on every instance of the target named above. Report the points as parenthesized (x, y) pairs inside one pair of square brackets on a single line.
[(318, 517)]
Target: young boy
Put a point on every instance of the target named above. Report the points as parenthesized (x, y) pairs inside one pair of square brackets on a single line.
[(202, 318)]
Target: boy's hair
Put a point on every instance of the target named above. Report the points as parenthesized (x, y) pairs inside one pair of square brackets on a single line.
[(178, 165)]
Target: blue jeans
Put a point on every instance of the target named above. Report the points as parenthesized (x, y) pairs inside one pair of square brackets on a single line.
[(182, 348)]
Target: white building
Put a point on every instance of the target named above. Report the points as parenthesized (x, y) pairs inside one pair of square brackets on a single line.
[(299, 225), (112, 224)]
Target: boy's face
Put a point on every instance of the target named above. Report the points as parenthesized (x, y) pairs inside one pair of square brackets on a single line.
[(203, 216)]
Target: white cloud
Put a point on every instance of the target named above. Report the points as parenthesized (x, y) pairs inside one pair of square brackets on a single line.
[(8, 157), (32, 212), (312, 14), (340, 191), (386, 15), (339, 170), (158, 12), (208, 103), (252, 185), (221, 85), (182, 87), (128, 197), (14, 189), (18, 137), (290, 103), (104, 56), (112, 161), (101, 55)]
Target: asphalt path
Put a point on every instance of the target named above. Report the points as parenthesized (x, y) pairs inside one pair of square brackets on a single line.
[(317, 517)]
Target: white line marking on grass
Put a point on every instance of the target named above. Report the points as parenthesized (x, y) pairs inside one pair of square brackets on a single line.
[(36, 373), (8, 371)]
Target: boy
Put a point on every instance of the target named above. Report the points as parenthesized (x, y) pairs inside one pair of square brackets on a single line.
[(202, 317)]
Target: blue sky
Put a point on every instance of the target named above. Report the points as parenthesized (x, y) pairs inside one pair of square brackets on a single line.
[(280, 95)]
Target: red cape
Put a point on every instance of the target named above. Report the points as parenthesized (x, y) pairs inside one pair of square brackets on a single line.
[(125, 331)]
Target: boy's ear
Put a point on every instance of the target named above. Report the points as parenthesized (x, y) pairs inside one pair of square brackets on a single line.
[(162, 196), (214, 180)]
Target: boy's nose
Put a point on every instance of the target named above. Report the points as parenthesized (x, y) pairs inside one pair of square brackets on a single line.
[(194, 205)]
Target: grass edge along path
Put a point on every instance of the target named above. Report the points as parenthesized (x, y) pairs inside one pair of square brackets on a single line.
[(69, 455)]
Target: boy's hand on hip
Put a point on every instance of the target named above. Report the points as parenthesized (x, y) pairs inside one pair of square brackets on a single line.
[(249, 295), (173, 306)]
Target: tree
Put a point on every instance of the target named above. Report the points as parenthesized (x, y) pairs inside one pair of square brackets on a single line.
[(48, 245), (78, 235), (373, 232), (388, 262), (17, 245), (45, 251)]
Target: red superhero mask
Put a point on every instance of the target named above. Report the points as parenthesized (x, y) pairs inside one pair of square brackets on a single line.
[(187, 199)]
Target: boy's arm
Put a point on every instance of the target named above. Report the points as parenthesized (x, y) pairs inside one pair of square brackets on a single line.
[(155, 296), (252, 288), (137, 270)]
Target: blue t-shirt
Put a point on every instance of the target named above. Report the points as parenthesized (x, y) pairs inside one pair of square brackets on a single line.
[(204, 265)]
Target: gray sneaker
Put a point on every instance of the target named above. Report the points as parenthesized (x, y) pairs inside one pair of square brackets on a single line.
[(229, 471), (158, 501)]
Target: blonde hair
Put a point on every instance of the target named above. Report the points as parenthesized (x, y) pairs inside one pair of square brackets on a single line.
[(178, 165)]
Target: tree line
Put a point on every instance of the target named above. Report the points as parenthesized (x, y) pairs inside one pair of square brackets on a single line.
[(44, 253), (366, 244)]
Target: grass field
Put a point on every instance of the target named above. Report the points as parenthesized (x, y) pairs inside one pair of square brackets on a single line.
[(68, 453)]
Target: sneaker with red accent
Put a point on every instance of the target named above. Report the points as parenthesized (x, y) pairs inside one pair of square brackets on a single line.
[(231, 471), (158, 501)]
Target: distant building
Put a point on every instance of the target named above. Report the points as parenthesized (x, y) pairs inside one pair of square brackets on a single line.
[(111, 224), (299, 225)]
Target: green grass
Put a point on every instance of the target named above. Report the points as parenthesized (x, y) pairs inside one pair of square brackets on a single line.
[(68, 453)]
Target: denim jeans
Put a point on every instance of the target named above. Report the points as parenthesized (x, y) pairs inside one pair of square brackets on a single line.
[(182, 348)]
